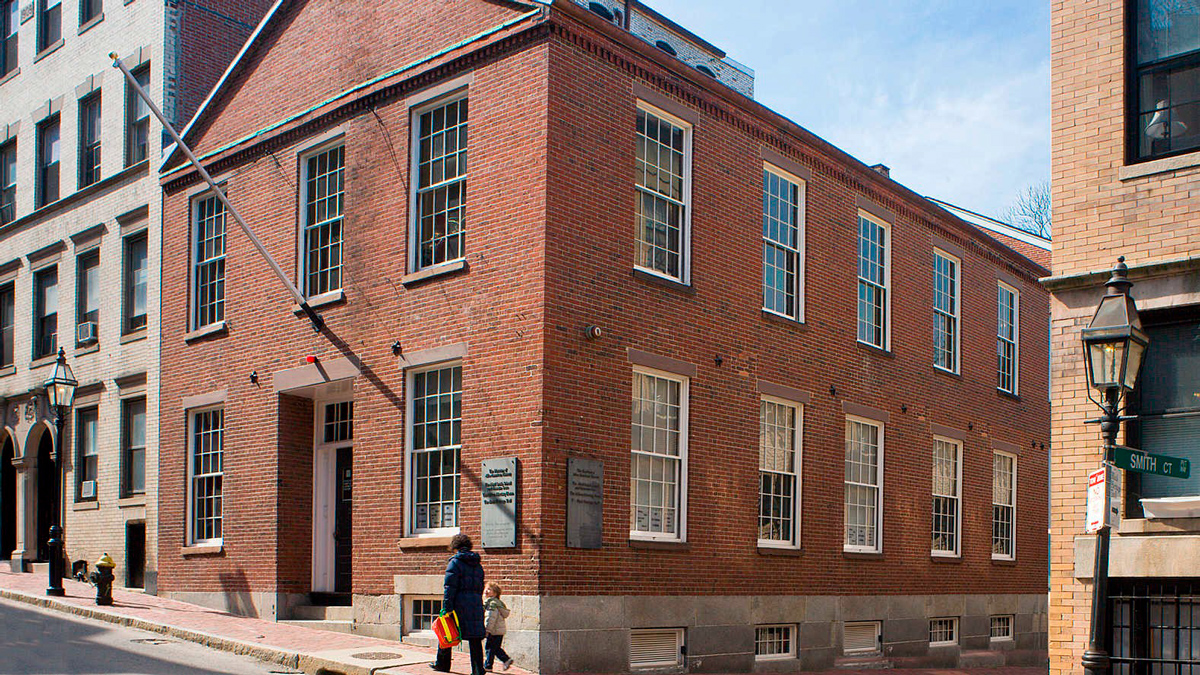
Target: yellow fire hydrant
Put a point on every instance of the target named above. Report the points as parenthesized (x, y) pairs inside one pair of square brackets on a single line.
[(102, 577)]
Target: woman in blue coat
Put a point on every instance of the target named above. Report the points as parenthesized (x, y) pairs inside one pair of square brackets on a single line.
[(464, 596)]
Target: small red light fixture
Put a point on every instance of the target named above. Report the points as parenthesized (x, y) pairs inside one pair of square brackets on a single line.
[(310, 359)]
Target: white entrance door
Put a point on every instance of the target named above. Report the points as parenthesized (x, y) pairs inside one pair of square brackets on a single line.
[(334, 431)]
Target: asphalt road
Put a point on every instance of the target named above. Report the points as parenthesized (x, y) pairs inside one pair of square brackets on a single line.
[(34, 641)]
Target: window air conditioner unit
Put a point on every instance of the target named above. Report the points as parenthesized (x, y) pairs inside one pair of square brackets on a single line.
[(85, 332), (87, 489)]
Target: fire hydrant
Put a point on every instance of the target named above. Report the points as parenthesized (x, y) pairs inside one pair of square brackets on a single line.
[(102, 578)]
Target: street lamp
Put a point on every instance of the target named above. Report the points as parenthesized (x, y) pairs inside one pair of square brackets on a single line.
[(60, 390), (1114, 345)]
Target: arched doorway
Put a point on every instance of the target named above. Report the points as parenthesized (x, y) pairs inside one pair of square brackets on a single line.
[(8, 499), (47, 494)]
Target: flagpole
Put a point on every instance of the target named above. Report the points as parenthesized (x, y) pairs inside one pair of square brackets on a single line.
[(315, 318)]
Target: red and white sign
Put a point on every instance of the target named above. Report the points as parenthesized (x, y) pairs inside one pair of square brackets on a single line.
[(1103, 499)]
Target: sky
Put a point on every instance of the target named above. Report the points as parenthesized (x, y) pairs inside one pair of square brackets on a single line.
[(952, 95)]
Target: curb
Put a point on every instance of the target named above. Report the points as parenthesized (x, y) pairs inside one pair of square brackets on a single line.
[(261, 652)]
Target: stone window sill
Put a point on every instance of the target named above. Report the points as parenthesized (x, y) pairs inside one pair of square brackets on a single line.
[(48, 50), (10, 76), (218, 328), (1008, 395), (88, 349), (439, 270), (778, 318), (779, 551), (1004, 562), (139, 334), (424, 542), (86, 26), (862, 555), (8, 370), (90, 505), (322, 300), (952, 559), (665, 282), (131, 501), (877, 351), (1155, 166), (657, 545), (208, 549), (43, 361)]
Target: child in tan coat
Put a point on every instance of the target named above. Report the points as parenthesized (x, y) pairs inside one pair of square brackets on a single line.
[(493, 621)]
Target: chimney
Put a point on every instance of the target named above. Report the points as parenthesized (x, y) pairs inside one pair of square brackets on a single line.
[(883, 169)]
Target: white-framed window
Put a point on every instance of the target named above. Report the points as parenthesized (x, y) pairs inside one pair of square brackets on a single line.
[(1001, 628), (783, 243), (943, 632), (1004, 505), (440, 166), (1008, 304), (322, 191), (434, 447), (206, 449), (655, 648), (663, 178), (864, 485), (208, 261), (946, 301), (779, 460), (775, 642), (658, 456), (947, 496), (862, 637), (874, 281), (420, 612)]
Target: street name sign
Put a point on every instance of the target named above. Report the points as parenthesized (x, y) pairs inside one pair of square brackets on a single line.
[(1132, 459), (1103, 499)]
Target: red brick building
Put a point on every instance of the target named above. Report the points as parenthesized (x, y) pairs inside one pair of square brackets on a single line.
[(634, 233)]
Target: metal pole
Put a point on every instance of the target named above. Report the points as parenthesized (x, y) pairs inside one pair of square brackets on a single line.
[(56, 543), (258, 245), (1095, 658)]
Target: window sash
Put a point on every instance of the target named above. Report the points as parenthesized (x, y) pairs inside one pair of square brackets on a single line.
[(10, 23), (136, 280), (1000, 628), (943, 632), (206, 469), (947, 497), (779, 473), (1004, 505), (658, 440), (209, 274), (775, 641), (87, 287), (435, 446), (137, 119), (49, 23), (323, 203), (946, 307), (1007, 306), (49, 145), (7, 318), (133, 446), (89, 9), (86, 451), (8, 182), (863, 486), (873, 282), (783, 212), (45, 284), (89, 140), (440, 164), (663, 168)]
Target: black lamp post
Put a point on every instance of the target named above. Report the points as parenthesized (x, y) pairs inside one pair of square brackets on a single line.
[(60, 390), (1114, 345)]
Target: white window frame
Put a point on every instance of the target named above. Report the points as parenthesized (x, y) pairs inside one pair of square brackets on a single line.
[(887, 277), (191, 476), (458, 91), (194, 260), (1016, 339), (953, 642), (956, 315), (797, 445), (1011, 628), (681, 490), (958, 498), (410, 524), (302, 216), (801, 217), (878, 547), (792, 635), (409, 613), (685, 236), (1013, 555)]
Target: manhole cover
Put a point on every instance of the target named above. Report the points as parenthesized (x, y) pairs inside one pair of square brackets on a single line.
[(377, 656), (151, 641)]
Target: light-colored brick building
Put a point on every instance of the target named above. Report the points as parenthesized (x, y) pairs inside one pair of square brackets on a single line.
[(80, 209), (746, 515), (1125, 171)]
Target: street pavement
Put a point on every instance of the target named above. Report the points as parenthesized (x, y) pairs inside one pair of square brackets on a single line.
[(36, 641)]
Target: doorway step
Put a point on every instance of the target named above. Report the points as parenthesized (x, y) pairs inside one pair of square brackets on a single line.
[(325, 611)]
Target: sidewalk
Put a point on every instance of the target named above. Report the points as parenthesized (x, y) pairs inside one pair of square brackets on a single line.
[(307, 649)]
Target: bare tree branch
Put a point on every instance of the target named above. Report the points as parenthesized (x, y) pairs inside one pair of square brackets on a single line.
[(1030, 211)]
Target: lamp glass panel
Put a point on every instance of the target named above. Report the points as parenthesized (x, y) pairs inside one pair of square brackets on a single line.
[(1136, 351), (1106, 361), (65, 393)]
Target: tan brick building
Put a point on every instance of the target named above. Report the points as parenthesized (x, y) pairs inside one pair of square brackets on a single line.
[(79, 260), (1126, 160), (773, 312)]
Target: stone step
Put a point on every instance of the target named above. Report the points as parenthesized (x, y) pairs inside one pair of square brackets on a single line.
[(866, 662), (322, 613), (42, 568), (980, 658), (333, 626)]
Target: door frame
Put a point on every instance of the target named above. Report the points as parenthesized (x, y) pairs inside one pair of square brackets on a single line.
[(324, 495)]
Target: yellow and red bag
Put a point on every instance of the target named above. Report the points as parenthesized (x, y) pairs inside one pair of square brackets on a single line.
[(445, 627)]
